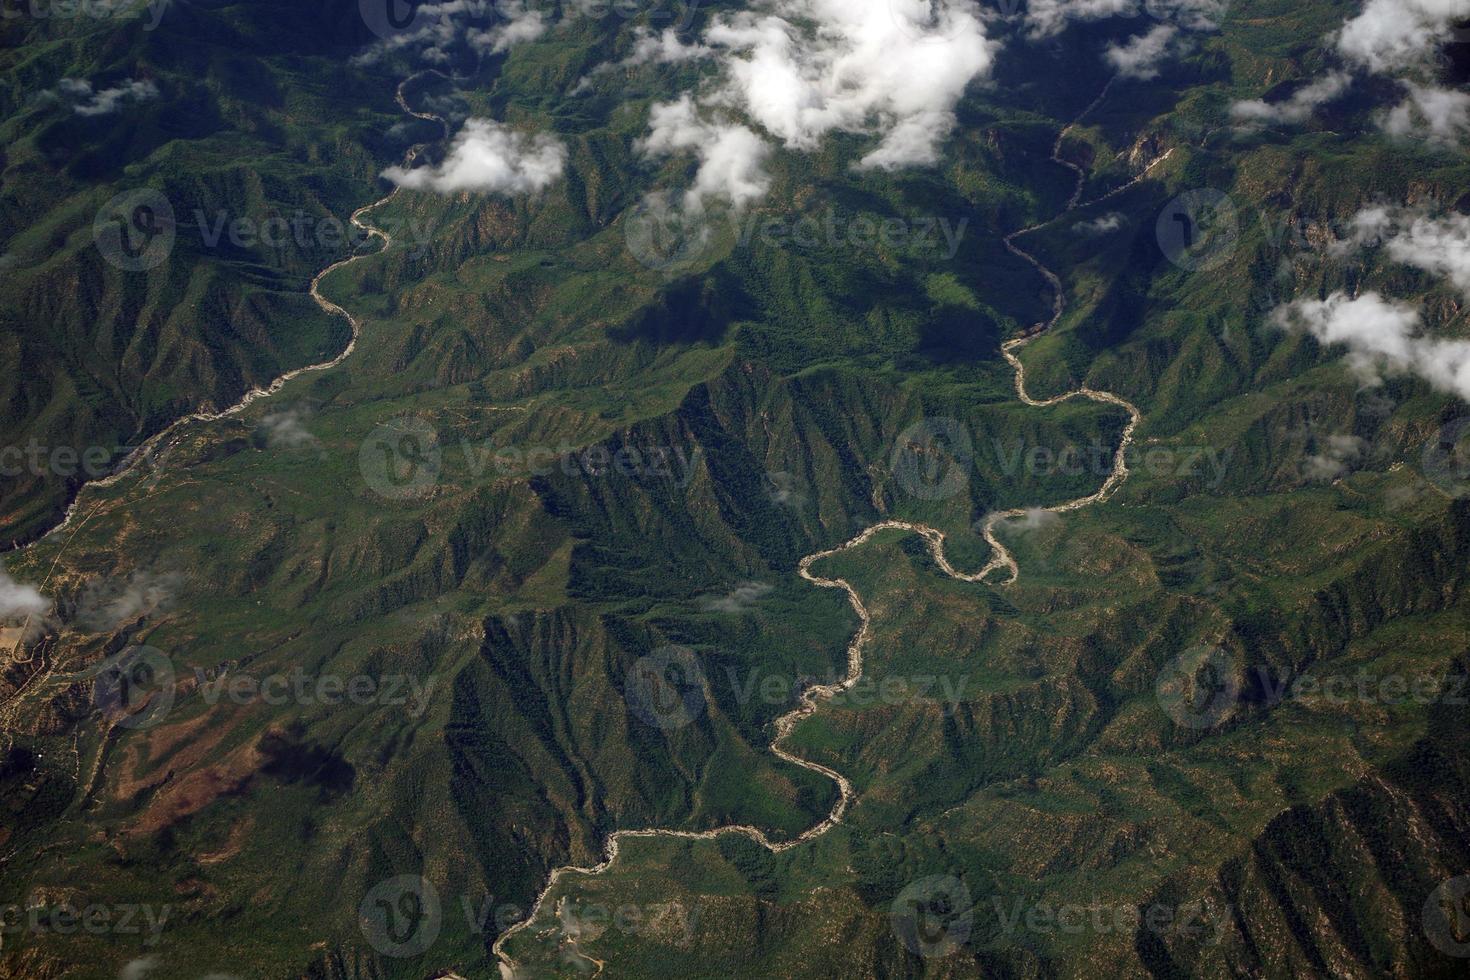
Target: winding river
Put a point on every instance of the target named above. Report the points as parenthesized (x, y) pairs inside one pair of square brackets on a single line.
[(812, 696), (153, 444), (933, 538)]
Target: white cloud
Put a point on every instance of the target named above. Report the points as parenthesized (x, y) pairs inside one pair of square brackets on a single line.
[(664, 49), (486, 156), (1437, 245), (522, 24), (1141, 56), (19, 600), (1035, 519), (1386, 336), (441, 27), (1435, 114), (1335, 459), (286, 429), (731, 156), (1392, 36), (87, 102), (1045, 18), (139, 968), (742, 598), (1440, 246), (1395, 38), (1403, 38), (1102, 225), (1382, 336), (1299, 108), (803, 69), (107, 604), (800, 70)]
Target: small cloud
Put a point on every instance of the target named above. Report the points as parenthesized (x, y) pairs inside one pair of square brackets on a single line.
[(648, 48), (489, 157), (107, 604), (18, 600), (1299, 107), (1035, 519), (1335, 460), (286, 429), (740, 600), (139, 968), (1141, 56), (87, 102), (1103, 225), (781, 489), (1438, 115)]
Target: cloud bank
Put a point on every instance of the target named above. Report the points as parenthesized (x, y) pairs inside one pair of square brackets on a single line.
[(1400, 39), (1300, 107), (800, 70), (1383, 337), (1386, 336)]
